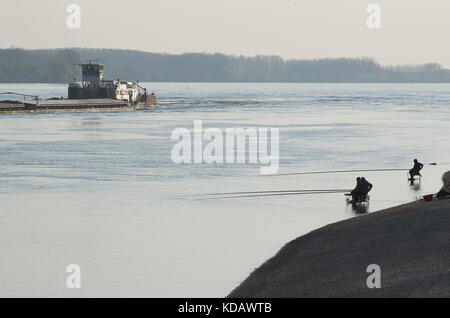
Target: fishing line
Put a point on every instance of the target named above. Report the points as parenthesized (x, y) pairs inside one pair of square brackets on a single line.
[(332, 171), (347, 171), (275, 191), (274, 194)]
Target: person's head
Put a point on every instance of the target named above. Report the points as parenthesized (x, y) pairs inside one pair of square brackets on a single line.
[(357, 179), (416, 161), (446, 181)]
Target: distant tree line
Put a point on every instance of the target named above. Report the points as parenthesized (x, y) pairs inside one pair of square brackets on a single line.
[(59, 66)]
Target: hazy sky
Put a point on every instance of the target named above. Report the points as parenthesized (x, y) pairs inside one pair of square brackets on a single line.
[(412, 31)]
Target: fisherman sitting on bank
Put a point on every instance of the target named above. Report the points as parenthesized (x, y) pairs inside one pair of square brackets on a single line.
[(445, 191), (362, 189), (415, 171)]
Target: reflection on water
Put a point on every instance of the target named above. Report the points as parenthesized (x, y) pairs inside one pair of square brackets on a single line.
[(357, 208), (101, 190), (415, 184), (360, 209), (92, 121)]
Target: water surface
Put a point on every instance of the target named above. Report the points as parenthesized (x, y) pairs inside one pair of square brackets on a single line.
[(100, 189)]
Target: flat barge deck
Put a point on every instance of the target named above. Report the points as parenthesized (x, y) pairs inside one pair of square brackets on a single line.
[(72, 105)]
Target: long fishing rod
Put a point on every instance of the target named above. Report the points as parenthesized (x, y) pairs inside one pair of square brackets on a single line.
[(275, 191), (344, 171), (332, 171), (273, 194)]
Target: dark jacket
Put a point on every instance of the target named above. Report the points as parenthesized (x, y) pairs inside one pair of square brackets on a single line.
[(417, 167), (363, 187), (366, 186)]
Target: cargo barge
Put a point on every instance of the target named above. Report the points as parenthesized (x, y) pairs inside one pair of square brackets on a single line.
[(93, 94)]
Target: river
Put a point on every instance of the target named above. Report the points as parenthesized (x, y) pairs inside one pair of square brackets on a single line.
[(100, 189)]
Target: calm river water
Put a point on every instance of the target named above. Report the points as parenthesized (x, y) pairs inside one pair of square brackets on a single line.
[(100, 189)]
